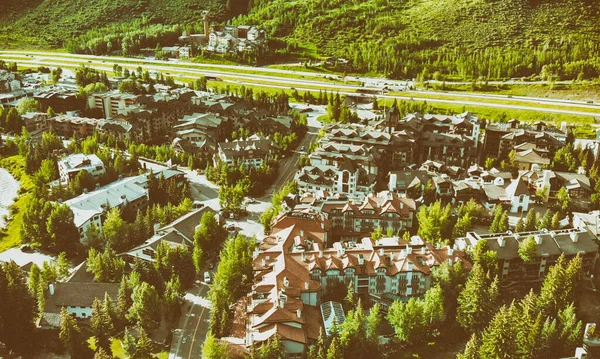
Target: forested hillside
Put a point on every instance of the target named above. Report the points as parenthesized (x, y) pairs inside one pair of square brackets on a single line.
[(461, 38), (51, 22), (440, 39)]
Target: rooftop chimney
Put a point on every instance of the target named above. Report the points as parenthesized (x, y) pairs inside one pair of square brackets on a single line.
[(302, 233), (264, 262), (408, 250), (320, 253), (51, 289), (286, 282), (574, 236), (306, 285), (303, 257), (538, 239), (381, 252), (85, 191), (156, 227), (450, 251), (299, 313), (501, 241)]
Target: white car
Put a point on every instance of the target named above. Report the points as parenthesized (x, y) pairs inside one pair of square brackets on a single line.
[(207, 278)]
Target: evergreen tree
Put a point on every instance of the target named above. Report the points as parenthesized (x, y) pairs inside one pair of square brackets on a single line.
[(531, 220), (374, 324), (61, 228), (213, 349), (520, 226), (63, 265), (500, 338), (334, 351), (101, 324), (471, 350), (477, 301), (102, 354), (145, 309), (69, 333)]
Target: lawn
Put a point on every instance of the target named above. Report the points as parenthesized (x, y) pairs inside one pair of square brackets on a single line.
[(11, 237)]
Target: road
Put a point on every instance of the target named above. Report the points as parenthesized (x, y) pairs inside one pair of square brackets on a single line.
[(190, 333), (288, 168), (193, 70)]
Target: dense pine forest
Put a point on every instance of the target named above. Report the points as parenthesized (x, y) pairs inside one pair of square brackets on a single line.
[(428, 39)]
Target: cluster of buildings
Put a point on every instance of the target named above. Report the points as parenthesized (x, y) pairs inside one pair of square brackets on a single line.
[(351, 158), (375, 175), (129, 193), (220, 39)]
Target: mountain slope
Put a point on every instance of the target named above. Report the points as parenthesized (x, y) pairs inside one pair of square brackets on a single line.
[(50, 22), (393, 35)]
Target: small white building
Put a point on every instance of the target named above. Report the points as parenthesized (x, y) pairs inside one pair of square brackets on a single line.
[(70, 166)]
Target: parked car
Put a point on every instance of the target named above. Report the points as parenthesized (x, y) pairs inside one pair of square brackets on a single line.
[(207, 278)]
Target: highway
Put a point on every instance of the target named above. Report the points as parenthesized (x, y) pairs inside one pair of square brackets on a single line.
[(187, 70)]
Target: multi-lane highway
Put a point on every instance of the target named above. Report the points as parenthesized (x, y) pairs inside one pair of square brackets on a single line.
[(302, 81)]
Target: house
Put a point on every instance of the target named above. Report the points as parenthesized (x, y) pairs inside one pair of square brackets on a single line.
[(352, 221), (549, 246), (402, 181), (179, 233), (532, 159), (9, 82), (70, 166), (578, 185), (76, 298), (252, 152)]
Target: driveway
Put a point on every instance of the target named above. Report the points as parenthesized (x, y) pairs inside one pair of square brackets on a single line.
[(190, 332)]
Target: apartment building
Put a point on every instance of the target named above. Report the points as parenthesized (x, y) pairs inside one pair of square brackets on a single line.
[(70, 166)]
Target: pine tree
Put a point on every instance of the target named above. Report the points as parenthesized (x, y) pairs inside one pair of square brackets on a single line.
[(499, 338), (546, 222), (555, 221), (520, 225), (101, 325), (477, 301), (334, 351), (472, 349), (63, 265), (374, 324), (570, 330), (531, 220), (69, 333), (101, 353)]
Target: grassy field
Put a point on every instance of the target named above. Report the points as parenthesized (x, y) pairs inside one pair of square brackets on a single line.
[(499, 101), (11, 237), (580, 91), (496, 114)]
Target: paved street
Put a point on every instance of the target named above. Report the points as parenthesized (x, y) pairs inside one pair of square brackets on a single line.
[(190, 333)]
